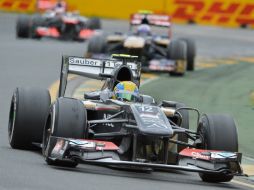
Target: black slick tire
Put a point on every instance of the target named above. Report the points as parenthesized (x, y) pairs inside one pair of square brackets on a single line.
[(28, 111), (94, 23), (96, 45), (191, 53), (177, 50), (70, 121), (219, 133), (23, 26), (37, 21)]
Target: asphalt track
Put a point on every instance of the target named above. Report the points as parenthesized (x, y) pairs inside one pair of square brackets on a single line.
[(37, 63)]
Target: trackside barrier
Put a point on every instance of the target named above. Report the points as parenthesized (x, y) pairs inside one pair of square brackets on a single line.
[(230, 13), (233, 13), (24, 6)]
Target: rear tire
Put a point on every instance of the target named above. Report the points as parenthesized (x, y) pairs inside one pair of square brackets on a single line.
[(23, 26), (70, 122), (37, 21), (219, 133), (191, 53), (96, 45), (177, 51), (94, 23), (28, 111)]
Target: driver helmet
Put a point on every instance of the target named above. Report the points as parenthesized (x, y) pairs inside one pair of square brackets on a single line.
[(126, 91), (59, 10), (144, 29), (60, 7)]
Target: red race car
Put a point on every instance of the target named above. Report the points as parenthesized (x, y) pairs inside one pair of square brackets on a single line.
[(66, 26)]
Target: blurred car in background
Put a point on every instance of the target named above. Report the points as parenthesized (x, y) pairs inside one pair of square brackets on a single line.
[(66, 26), (158, 53)]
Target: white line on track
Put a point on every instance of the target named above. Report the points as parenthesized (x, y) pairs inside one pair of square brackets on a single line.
[(149, 80), (243, 183), (248, 158)]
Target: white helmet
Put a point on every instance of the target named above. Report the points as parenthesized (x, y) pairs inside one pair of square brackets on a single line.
[(144, 29)]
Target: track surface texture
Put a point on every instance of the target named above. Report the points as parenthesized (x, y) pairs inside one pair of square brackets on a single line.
[(222, 89), (37, 63)]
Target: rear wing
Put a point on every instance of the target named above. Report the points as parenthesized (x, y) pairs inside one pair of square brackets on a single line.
[(162, 20), (43, 5), (95, 68)]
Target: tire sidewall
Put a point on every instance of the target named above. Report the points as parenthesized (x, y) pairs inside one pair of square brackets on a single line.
[(28, 111)]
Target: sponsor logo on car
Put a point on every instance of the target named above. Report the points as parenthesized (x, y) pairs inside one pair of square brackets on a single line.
[(81, 61), (99, 63), (200, 155)]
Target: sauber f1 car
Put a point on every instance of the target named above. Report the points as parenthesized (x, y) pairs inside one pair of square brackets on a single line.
[(158, 53), (140, 135), (66, 26)]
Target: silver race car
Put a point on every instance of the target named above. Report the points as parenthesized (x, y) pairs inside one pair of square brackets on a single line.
[(140, 134)]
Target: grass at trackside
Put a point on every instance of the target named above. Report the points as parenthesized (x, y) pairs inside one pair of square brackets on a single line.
[(223, 89)]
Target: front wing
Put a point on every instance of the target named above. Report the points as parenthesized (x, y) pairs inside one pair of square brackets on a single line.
[(52, 32), (106, 154)]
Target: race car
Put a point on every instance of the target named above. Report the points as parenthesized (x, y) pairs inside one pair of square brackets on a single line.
[(66, 26), (119, 127), (158, 53)]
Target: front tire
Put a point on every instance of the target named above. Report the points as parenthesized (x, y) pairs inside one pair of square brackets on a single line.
[(94, 23), (219, 132), (23, 26), (37, 21), (28, 111), (69, 121)]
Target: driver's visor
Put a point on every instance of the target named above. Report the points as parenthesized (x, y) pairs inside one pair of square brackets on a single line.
[(126, 95)]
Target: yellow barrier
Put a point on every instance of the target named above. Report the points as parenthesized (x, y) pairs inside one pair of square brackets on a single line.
[(231, 13), (25, 6), (213, 12), (114, 8)]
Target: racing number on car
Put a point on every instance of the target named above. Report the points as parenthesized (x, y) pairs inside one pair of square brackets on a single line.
[(148, 109), (150, 116)]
